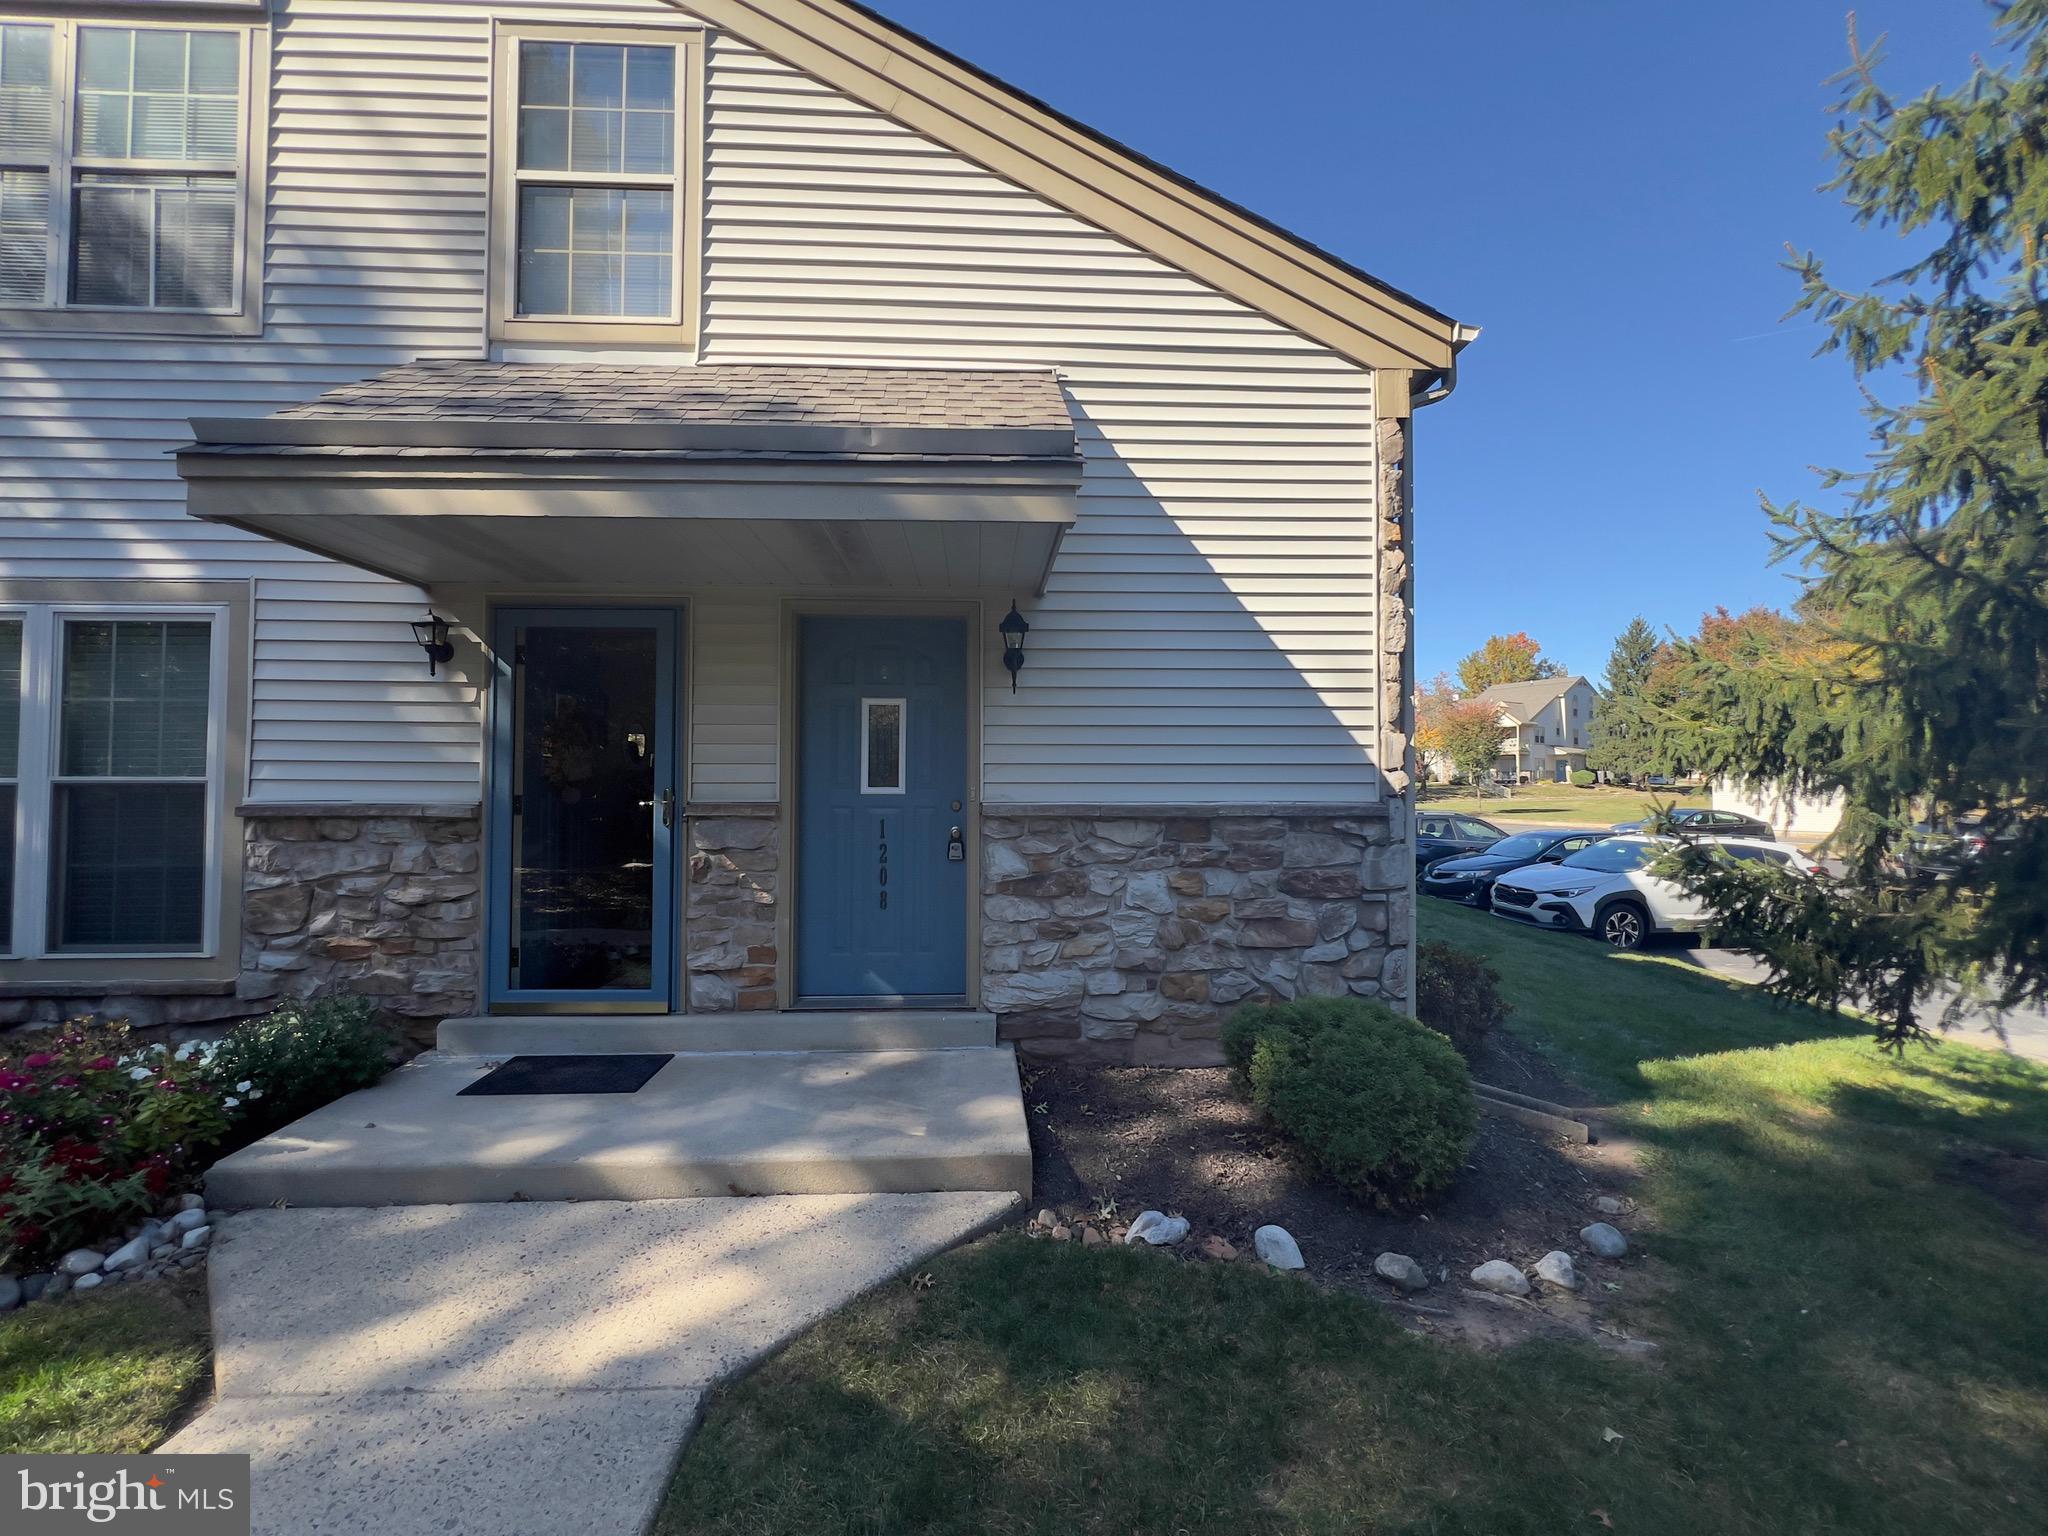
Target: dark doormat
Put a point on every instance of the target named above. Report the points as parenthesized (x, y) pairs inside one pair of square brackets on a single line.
[(568, 1074)]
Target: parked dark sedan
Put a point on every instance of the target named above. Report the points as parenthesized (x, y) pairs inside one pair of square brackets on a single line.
[(1697, 821), (1940, 850), (1441, 835), (1469, 877)]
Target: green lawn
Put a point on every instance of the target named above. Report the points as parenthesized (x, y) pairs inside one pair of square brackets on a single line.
[(1854, 1336), (1561, 804), (105, 1373)]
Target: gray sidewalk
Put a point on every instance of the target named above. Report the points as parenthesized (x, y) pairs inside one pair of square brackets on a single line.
[(521, 1369)]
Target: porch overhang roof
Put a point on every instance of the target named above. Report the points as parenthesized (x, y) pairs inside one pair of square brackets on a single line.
[(601, 478)]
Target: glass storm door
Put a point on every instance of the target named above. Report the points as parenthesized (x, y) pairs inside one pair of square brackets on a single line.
[(584, 810)]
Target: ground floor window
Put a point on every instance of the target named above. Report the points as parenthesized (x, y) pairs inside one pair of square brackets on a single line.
[(110, 765)]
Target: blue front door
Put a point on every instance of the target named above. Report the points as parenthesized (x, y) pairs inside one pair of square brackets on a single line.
[(882, 790), (583, 814)]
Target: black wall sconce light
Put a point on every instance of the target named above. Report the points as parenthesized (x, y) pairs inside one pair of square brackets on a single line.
[(1013, 629), (432, 635)]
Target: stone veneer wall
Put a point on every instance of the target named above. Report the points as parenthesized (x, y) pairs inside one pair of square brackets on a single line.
[(382, 903), (729, 941), (1129, 938)]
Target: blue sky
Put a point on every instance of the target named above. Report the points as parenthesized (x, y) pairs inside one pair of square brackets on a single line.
[(1606, 188)]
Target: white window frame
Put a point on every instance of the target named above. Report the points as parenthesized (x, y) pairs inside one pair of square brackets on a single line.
[(244, 314), (35, 799), (902, 784), (680, 329)]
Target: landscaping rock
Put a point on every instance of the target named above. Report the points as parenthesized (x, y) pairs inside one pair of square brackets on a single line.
[(1556, 1268), (1045, 1221), (1501, 1277), (187, 1260), (88, 1282), (82, 1261), (1401, 1270), (191, 1203), (1090, 1238), (1607, 1205), (1276, 1246), (1157, 1228), (1217, 1247), (198, 1237), (1060, 1233), (132, 1254), (192, 1216), (58, 1288), (33, 1287), (10, 1293), (1604, 1240), (163, 1250)]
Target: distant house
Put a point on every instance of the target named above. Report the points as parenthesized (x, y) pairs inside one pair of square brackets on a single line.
[(1546, 726)]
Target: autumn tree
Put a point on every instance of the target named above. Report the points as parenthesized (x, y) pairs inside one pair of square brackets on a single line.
[(1459, 731), (1920, 688), (1620, 738), (1505, 659)]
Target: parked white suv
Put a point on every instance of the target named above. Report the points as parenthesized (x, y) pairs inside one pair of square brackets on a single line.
[(1607, 890)]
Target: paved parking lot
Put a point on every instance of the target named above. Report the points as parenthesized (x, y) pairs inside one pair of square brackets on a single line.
[(2025, 1029)]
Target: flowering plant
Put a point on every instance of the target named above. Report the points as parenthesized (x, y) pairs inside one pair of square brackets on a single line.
[(94, 1126)]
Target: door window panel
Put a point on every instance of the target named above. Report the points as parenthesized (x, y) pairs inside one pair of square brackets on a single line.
[(881, 746)]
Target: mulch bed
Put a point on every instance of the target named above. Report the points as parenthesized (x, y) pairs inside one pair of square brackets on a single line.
[(1185, 1141)]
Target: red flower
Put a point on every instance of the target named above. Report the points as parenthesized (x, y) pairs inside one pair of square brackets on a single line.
[(37, 1060), (100, 1064)]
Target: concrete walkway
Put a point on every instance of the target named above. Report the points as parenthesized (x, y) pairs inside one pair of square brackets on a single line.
[(772, 1123), (523, 1369)]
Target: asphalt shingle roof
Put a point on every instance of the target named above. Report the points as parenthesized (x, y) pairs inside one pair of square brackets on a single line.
[(723, 393), (1526, 698)]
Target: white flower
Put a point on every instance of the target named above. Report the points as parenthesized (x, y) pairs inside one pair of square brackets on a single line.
[(139, 1073), (242, 1087), (231, 1102), (256, 1093)]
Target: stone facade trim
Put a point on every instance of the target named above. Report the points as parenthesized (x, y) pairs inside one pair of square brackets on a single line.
[(254, 809), (1130, 938), (356, 900), (1360, 811)]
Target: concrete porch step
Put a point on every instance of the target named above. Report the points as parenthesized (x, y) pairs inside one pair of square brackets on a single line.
[(608, 1034), (715, 1123)]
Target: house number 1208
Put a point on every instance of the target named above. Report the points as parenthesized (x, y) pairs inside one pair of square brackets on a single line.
[(882, 867)]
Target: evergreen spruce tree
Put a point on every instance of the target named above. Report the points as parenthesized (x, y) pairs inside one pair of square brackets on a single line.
[(1620, 741), (1918, 681)]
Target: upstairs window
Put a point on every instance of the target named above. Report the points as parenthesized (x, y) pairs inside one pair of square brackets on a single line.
[(594, 196), (123, 169)]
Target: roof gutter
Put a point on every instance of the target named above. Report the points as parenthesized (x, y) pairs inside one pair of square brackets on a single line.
[(1429, 388)]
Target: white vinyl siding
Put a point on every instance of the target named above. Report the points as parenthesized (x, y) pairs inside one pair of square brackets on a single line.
[(1207, 634)]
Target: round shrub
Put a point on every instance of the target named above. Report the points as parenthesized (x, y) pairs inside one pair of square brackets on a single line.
[(304, 1055), (1381, 1104), (1299, 1019), (1582, 779), (1457, 994)]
